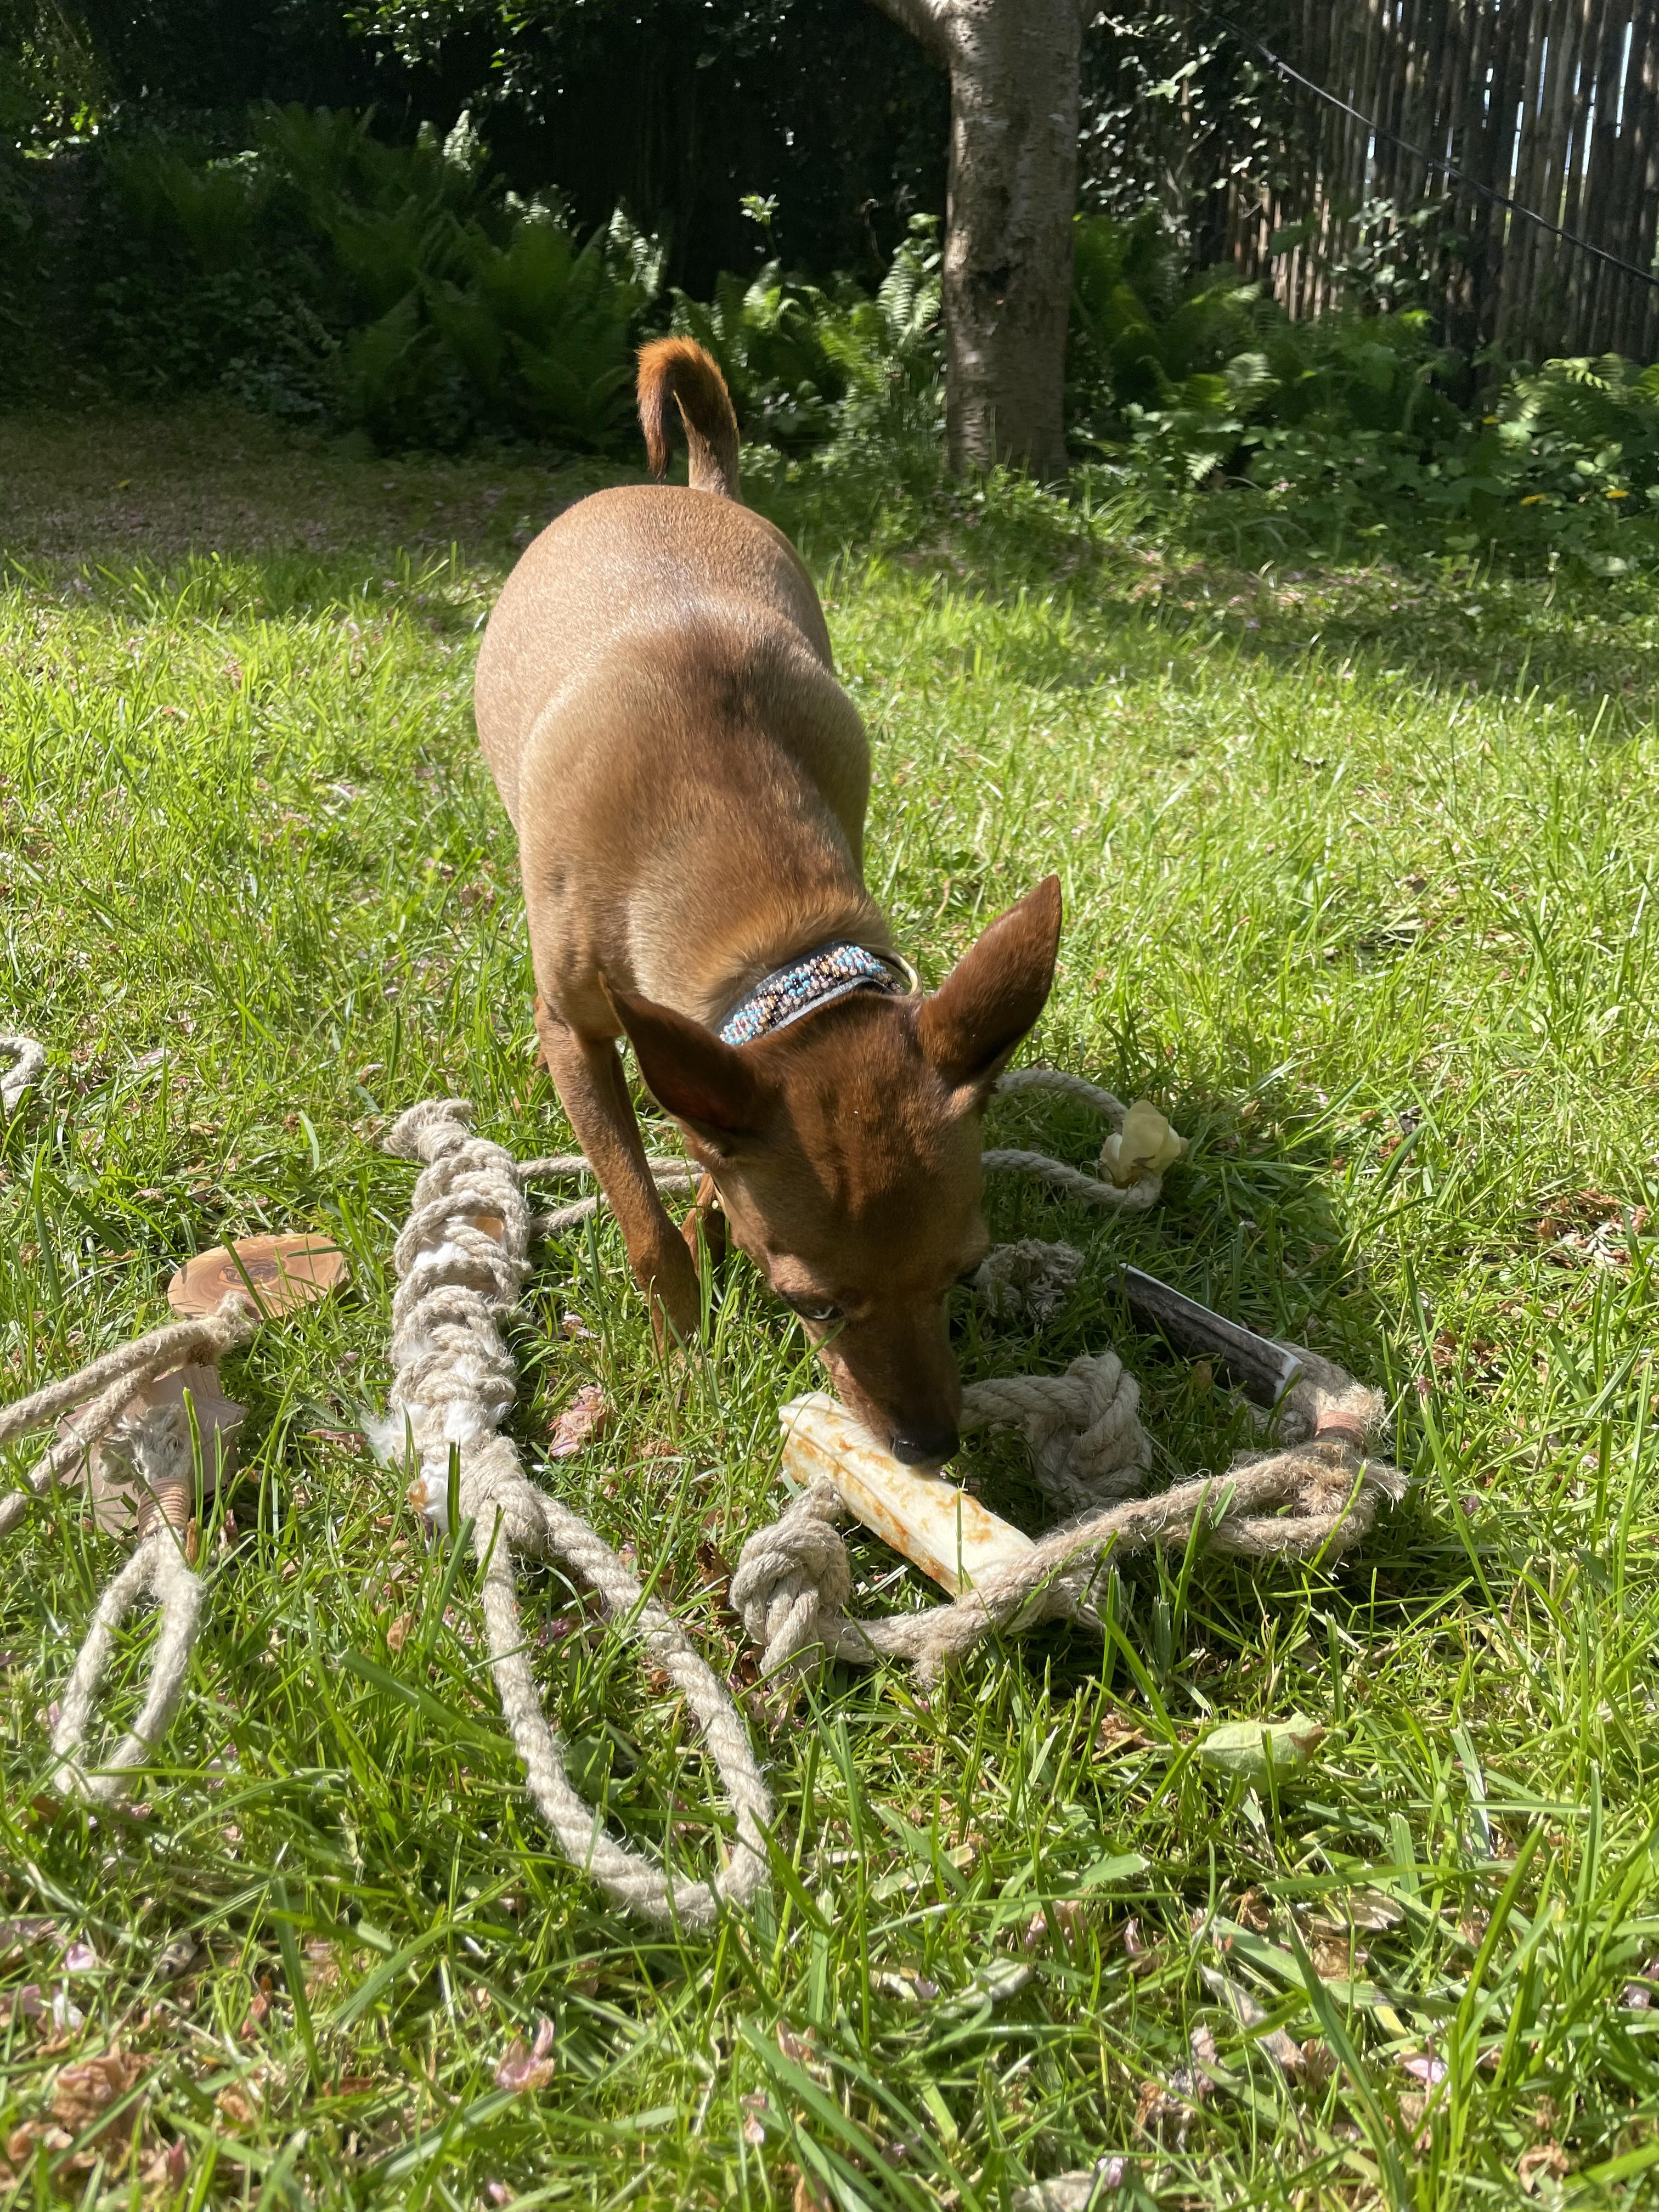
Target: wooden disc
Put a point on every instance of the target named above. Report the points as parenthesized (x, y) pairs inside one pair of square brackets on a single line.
[(280, 1271)]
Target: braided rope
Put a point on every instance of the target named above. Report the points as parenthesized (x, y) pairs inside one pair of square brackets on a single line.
[(454, 1384), (28, 1060)]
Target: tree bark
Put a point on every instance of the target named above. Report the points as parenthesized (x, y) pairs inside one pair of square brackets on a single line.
[(1014, 68)]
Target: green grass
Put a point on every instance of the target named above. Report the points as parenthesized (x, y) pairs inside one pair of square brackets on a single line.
[(1359, 871)]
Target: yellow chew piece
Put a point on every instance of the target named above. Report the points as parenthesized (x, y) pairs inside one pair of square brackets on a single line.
[(1146, 1145), (937, 1527)]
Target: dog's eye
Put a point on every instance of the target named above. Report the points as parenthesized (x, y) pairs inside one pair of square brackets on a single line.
[(809, 1311)]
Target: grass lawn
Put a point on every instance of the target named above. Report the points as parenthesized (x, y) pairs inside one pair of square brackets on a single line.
[(1360, 879)]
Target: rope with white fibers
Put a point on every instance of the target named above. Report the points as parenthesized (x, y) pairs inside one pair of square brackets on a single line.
[(28, 1060), (453, 1385), (1312, 1500), (160, 1448)]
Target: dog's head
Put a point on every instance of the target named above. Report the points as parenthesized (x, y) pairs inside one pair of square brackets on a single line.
[(846, 1149)]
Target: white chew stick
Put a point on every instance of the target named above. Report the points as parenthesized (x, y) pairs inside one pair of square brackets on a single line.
[(937, 1527)]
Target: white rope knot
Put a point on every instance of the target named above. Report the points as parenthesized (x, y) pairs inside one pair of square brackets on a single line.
[(461, 1262), (793, 1581), (28, 1060), (1088, 1447), (1028, 1277)]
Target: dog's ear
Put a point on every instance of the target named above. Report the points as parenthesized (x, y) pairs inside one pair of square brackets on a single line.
[(691, 1073), (992, 997)]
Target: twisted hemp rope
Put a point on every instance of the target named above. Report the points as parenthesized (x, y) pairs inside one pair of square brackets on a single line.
[(28, 1060), (160, 1449), (1313, 1500), (454, 1382), (1315, 1497)]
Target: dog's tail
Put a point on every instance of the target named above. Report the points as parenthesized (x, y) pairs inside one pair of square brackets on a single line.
[(679, 370)]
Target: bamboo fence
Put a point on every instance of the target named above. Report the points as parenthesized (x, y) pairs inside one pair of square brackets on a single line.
[(1552, 104)]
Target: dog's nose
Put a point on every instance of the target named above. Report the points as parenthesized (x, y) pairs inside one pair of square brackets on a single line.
[(925, 1447)]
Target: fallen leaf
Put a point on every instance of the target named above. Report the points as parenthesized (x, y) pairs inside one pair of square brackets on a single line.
[(79, 1959), (1243, 1748), (584, 1417), (534, 2068), (397, 1634), (754, 2123), (1533, 2165), (27, 2003), (84, 2092), (235, 2108), (1253, 1911), (1115, 1735)]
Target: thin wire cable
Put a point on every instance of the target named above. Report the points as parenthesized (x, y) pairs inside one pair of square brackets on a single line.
[(1428, 161)]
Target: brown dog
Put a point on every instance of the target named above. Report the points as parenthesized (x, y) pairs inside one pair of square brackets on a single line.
[(656, 700)]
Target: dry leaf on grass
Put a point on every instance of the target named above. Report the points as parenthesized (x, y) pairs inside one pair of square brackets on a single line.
[(1253, 1911), (522, 2069), (1541, 2161), (582, 1419), (1116, 1735), (89, 2100), (17, 1937), (1160, 2115)]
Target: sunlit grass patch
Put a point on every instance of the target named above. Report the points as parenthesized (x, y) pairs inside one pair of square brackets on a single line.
[(1363, 895)]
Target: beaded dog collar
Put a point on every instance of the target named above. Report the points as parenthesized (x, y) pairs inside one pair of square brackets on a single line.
[(817, 979)]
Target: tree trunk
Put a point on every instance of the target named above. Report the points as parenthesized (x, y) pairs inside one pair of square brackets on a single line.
[(1014, 68)]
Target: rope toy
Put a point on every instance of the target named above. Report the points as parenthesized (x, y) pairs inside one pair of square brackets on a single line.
[(460, 1261), (1315, 1498), (28, 1060), (1140, 1147), (159, 1448)]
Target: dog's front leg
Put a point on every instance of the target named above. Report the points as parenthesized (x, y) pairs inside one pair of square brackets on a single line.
[(587, 1073), (704, 1227)]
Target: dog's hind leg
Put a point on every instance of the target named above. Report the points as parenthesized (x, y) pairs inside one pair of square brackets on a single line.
[(587, 1073)]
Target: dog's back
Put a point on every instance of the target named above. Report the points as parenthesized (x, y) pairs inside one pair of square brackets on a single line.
[(656, 701)]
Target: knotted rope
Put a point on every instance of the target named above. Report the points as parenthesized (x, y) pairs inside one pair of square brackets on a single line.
[(1139, 1147), (453, 1385), (1313, 1500), (160, 1450), (28, 1059)]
